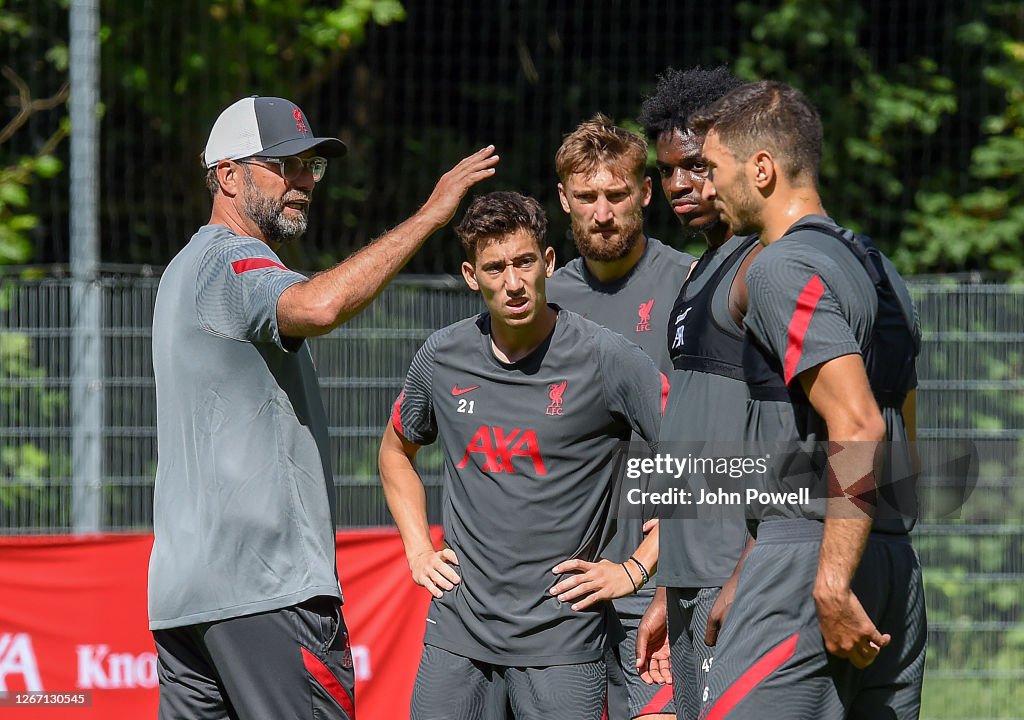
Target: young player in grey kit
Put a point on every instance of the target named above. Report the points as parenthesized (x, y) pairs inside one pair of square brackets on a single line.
[(828, 620), (625, 281), (530, 402), (709, 395)]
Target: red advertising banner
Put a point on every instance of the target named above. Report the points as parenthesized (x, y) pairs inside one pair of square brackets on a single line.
[(75, 644)]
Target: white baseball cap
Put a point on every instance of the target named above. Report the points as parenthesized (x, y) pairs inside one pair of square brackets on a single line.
[(267, 126)]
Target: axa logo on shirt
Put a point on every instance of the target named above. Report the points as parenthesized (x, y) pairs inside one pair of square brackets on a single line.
[(644, 311), (499, 446)]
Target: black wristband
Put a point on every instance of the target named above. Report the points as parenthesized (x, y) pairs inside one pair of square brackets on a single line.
[(631, 580), (643, 571)]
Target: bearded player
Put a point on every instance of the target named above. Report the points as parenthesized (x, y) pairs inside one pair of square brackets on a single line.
[(627, 282)]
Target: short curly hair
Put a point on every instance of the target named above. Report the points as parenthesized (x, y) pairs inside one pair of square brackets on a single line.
[(681, 93), (497, 215)]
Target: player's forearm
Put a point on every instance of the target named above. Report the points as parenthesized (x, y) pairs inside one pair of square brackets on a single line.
[(647, 551), (329, 299), (406, 498), (842, 546), (747, 547), (852, 481)]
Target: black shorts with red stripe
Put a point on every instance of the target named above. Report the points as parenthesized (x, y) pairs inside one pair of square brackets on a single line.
[(295, 662), (770, 660)]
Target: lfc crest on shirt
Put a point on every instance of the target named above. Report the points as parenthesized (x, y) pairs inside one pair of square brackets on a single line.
[(644, 311), (555, 393)]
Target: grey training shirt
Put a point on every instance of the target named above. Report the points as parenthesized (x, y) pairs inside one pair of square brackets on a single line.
[(529, 450), (705, 406), (637, 306), (811, 301), (244, 492)]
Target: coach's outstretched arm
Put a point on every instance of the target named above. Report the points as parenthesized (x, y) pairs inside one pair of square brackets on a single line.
[(839, 391), (407, 501), (328, 299)]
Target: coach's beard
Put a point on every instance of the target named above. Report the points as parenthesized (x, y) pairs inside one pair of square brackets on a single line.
[(269, 216)]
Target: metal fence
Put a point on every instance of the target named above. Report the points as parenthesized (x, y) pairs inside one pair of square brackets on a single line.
[(970, 386)]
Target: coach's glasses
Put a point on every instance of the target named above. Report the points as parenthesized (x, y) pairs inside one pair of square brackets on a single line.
[(291, 167)]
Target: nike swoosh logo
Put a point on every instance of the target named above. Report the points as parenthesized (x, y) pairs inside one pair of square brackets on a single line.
[(456, 390)]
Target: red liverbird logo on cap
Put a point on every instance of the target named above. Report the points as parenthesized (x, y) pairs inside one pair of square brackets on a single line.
[(644, 311), (300, 124), (555, 393)]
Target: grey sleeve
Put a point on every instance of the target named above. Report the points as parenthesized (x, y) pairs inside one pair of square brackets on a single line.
[(794, 313), (237, 289), (632, 384), (413, 413)]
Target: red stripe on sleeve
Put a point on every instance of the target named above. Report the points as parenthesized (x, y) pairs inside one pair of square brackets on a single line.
[(798, 325), (241, 266), (396, 413), (757, 672), (664, 392), (658, 702), (322, 674)]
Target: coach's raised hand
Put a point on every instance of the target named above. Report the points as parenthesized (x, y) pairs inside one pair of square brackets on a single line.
[(325, 301), (454, 184)]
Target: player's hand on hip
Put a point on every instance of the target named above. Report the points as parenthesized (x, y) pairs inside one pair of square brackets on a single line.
[(592, 583), (846, 628), (653, 658), (433, 570), (454, 184)]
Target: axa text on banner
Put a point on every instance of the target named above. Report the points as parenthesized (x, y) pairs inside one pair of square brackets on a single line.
[(75, 644)]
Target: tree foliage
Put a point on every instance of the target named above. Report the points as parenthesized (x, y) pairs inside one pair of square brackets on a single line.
[(924, 133), (872, 117), (238, 47), (983, 228), (20, 170)]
